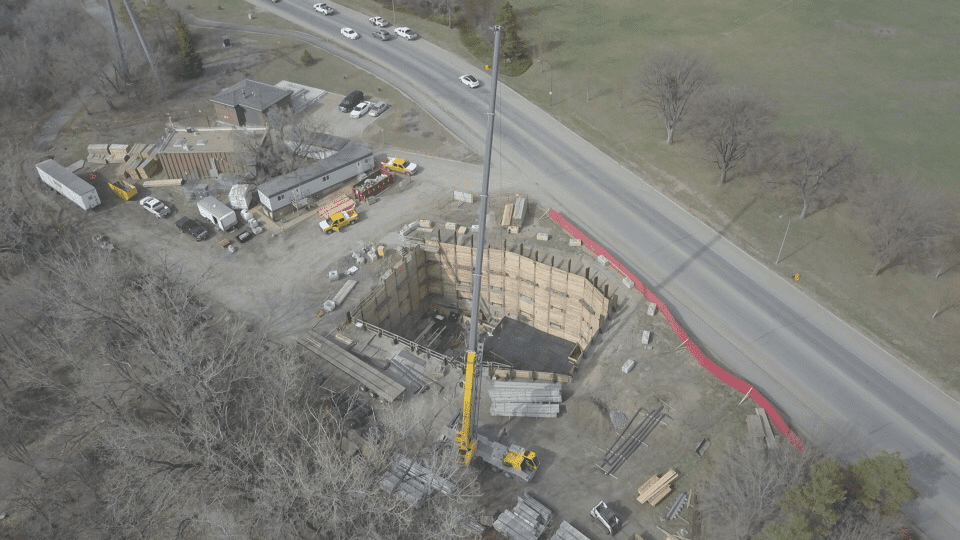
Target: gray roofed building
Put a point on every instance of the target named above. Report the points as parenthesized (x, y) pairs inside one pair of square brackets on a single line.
[(352, 160), (248, 102)]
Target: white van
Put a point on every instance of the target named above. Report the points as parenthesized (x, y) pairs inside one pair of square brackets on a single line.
[(222, 216)]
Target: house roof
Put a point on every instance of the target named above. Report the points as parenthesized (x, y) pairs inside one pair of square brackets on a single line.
[(251, 95), (348, 155), (204, 140)]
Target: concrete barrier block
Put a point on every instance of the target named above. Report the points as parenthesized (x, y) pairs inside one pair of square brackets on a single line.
[(651, 309), (574, 242)]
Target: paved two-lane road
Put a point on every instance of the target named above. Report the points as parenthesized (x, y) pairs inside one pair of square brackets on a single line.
[(826, 377)]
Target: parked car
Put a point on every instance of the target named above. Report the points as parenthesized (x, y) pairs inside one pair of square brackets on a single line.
[(349, 33), (378, 108), (400, 165), (405, 32), (470, 81), (379, 21), (382, 35), (191, 227), (155, 206), (351, 101), (322, 7), (361, 109)]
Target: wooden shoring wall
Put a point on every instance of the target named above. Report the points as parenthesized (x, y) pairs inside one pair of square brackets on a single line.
[(550, 299), (402, 289)]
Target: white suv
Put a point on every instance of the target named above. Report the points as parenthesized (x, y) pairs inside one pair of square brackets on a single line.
[(405, 32)]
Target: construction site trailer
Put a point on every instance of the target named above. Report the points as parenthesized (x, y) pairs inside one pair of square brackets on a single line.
[(68, 184), (221, 215)]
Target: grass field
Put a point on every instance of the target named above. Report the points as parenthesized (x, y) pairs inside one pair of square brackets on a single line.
[(882, 73)]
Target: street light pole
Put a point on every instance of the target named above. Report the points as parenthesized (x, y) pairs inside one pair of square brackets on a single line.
[(789, 221), (551, 76)]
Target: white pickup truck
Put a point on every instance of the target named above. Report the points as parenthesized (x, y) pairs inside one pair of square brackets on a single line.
[(379, 21)]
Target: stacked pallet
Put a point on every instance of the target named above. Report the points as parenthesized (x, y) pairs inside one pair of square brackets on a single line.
[(412, 481), (568, 532), (656, 488), (526, 521), (519, 398)]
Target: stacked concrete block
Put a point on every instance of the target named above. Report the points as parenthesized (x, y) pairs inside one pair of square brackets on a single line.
[(526, 521), (517, 398)]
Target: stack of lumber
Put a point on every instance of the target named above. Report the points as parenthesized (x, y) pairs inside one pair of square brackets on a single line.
[(118, 153), (98, 153), (758, 427), (508, 373), (656, 488), (568, 532), (412, 481), (507, 218), (526, 521), (519, 398)]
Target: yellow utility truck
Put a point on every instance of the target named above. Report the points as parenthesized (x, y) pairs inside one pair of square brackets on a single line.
[(338, 221)]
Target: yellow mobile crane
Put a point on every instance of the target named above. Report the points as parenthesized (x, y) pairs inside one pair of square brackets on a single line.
[(513, 460)]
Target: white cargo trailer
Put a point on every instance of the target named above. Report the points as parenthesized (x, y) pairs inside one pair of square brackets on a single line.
[(221, 215), (68, 184)]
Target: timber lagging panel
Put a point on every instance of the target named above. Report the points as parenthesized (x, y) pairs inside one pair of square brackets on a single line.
[(552, 300), (549, 299)]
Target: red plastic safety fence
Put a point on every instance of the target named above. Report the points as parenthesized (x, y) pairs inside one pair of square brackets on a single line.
[(731, 380)]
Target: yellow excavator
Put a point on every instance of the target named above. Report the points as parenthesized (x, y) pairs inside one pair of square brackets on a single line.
[(513, 460)]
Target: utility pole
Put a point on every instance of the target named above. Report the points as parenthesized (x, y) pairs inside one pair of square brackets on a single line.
[(124, 72)]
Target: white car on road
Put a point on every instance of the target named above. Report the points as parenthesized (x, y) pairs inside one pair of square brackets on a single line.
[(470, 81), (349, 33), (323, 8), (361, 109), (155, 206), (405, 32), (379, 21)]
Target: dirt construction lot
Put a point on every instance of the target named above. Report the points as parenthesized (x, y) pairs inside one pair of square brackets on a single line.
[(279, 280)]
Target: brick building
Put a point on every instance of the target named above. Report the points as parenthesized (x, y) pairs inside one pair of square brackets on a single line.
[(247, 103)]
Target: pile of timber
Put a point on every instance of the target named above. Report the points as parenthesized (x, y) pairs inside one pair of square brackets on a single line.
[(412, 481), (543, 376), (656, 488), (370, 377), (526, 521), (519, 398), (568, 532), (626, 445), (513, 213), (758, 427)]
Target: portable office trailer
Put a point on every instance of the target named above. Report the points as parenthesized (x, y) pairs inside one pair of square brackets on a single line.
[(221, 215), (68, 184), (352, 160), (241, 196)]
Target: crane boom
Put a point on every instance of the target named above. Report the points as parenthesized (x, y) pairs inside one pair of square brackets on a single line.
[(514, 460)]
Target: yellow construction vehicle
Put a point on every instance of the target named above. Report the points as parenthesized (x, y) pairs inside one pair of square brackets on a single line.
[(513, 460), (338, 221)]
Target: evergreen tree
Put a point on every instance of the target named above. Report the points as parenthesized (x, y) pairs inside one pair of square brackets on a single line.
[(883, 482), (512, 47), (307, 59), (191, 65), (797, 527), (820, 499)]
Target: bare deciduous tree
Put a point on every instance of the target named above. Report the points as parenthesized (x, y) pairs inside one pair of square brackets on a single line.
[(205, 428), (742, 493), (817, 163), (903, 218), (670, 80), (289, 143), (730, 123)]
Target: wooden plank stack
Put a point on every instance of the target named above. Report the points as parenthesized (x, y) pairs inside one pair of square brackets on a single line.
[(526, 521), (656, 488), (568, 532), (376, 380), (758, 427), (520, 398)]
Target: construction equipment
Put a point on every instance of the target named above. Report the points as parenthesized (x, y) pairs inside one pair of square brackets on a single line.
[(607, 517), (513, 460)]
